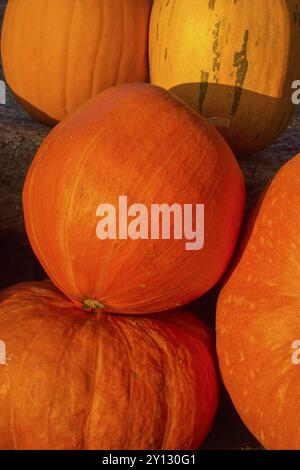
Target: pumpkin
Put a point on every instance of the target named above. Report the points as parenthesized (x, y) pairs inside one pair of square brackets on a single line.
[(233, 61), (137, 142), (57, 54), (258, 326), (75, 380)]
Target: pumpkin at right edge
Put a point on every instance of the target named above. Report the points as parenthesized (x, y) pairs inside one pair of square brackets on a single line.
[(231, 60), (258, 317)]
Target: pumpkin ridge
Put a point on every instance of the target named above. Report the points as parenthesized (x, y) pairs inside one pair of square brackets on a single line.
[(95, 355), (12, 419), (97, 50), (164, 369), (57, 375), (68, 56), (121, 54)]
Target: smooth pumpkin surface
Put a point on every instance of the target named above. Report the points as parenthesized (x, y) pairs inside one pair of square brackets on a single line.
[(233, 60), (57, 54), (77, 380), (258, 317), (141, 142)]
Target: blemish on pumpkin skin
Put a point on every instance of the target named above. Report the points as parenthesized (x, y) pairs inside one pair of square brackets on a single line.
[(242, 356), (203, 89), (216, 51), (157, 26), (252, 339), (241, 63), (282, 393)]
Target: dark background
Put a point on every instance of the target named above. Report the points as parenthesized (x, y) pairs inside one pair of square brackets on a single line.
[(20, 137)]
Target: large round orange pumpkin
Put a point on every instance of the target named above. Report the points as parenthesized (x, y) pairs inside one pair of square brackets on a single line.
[(258, 322), (136, 142), (75, 380), (58, 53), (234, 61)]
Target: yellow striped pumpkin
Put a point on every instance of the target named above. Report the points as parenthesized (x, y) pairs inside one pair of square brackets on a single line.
[(232, 60)]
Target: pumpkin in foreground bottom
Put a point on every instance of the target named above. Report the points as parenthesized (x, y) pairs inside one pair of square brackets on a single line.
[(258, 318), (76, 380)]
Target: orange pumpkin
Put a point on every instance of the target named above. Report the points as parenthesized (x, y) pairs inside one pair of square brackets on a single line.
[(136, 141), (79, 381), (57, 54), (258, 325)]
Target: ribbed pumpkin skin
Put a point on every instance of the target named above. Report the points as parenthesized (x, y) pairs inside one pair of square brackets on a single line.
[(57, 54), (77, 380), (139, 141), (258, 317), (234, 60)]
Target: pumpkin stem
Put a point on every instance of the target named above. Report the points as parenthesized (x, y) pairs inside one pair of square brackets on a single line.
[(92, 304)]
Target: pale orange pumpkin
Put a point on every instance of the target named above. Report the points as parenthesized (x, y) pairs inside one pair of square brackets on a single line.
[(234, 61), (76, 380), (258, 323), (137, 141), (57, 54)]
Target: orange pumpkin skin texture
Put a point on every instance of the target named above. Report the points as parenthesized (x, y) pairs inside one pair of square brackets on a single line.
[(57, 54), (139, 141), (258, 317), (234, 60), (77, 380)]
